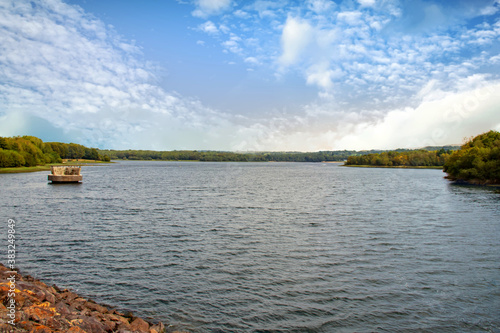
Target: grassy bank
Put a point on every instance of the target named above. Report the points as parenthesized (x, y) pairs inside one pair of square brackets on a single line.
[(47, 166), (25, 169)]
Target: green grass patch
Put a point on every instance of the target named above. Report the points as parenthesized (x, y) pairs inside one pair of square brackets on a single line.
[(25, 169), (47, 166)]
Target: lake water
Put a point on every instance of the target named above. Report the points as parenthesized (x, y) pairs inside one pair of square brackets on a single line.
[(266, 247)]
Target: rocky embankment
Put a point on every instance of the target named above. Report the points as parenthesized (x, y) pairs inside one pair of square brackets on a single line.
[(44, 309)]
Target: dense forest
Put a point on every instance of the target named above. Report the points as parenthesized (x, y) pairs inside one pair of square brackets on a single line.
[(409, 158), (478, 161), (31, 151)]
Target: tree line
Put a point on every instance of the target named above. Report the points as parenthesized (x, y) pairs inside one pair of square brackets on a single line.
[(218, 156), (478, 160), (408, 158), (31, 151)]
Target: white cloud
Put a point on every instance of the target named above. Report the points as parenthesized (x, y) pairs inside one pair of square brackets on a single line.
[(351, 18), (297, 35), (241, 13), (367, 3), (205, 8), (320, 6), (233, 44), (252, 60), (323, 76), (266, 9), (209, 27)]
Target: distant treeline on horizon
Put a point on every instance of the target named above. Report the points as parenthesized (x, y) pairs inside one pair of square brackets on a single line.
[(31, 151), (219, 156)]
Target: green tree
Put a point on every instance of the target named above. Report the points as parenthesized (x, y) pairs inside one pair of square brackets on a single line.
[(478, 160), (11, 158)]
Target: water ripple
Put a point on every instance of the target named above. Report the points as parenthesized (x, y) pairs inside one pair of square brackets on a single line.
[(267, 247)]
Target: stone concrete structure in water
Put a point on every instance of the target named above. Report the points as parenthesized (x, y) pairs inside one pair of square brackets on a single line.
[(65, 174)]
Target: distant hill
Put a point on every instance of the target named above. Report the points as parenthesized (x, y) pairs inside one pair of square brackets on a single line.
[(448, 147)]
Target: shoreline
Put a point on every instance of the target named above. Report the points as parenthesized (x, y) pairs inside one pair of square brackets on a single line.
[(473, 182), (47, 309)]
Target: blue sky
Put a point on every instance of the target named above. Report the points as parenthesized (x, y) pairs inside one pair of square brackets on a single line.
[(250, 75)]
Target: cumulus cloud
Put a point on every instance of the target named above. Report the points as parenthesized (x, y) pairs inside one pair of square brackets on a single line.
[(209, 27), (442, 120), (297, 35)]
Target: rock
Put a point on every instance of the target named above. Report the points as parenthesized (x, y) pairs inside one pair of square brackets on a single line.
[(118, 319), (40, 295), (69, 296), (160, 328), (57, 323), (76, 329), (139, 325), (4, 289), (109, 325), (41, 312), (21, 315), (90, 324), (124, 326), (78, 303), (41, 329), (26, 325), (50, 297), (62, 308), (5, 327), (86, 312), (96, 307)]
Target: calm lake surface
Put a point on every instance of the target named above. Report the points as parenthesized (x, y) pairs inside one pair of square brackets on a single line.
[(266, 247)]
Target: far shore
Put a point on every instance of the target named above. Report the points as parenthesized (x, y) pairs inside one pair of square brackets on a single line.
[(395, 166)]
